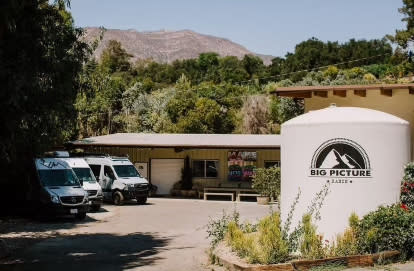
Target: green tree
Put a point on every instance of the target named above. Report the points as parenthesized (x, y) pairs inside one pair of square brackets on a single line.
[(404, 37), (206, 117), (208, 60), (253, 65), (277, 68), (99, 102), (283, 109), (313, 53), (208, 64), (231, 70), (114, 58), (41, 54)]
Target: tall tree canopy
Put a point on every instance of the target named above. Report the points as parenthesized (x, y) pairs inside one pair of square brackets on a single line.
[(40, 57), (404, 37), (115, 58), (313, 53)]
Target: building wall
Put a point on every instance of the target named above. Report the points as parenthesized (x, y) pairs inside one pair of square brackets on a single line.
[(400, 104), (145, 155)]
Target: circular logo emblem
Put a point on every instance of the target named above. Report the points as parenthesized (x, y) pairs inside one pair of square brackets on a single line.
[(73, 200), (340, 157), (340, 153)]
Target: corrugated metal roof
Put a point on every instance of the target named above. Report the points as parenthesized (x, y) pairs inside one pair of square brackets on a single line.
[(182, 140)]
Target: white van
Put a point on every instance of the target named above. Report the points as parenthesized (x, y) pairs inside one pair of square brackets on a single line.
[(89, 183), (61, 191), (119, 179)]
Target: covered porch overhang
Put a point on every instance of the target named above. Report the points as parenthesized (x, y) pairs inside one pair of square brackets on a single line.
[(303, 92)]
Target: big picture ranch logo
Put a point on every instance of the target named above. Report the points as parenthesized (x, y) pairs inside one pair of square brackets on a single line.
[(340, 158)]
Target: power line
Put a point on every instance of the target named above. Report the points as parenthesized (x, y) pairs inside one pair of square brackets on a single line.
[(317, 68), (263, 78)]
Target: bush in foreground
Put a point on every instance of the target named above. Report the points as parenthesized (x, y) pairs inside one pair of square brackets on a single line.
[(265, 246), (388, 228), (407, 187)]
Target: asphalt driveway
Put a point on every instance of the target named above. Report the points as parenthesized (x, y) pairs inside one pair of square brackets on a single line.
[(165, 234)]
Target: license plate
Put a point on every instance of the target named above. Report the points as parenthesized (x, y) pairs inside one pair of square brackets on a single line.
[(73, 211)]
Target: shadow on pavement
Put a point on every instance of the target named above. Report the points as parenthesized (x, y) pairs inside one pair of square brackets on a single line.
[(16, 225), (89, 252), (101, 210)]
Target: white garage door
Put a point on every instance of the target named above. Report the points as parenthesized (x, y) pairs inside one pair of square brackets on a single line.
[(165, 173)]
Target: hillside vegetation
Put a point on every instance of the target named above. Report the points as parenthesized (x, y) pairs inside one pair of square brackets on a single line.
[(213, 94)]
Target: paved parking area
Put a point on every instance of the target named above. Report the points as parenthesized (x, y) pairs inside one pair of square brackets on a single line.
[(165, 234)]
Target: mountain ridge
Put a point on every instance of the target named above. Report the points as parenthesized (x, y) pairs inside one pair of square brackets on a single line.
[(166, 46)]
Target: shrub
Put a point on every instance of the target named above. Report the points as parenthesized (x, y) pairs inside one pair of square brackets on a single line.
[(243, 244), (294, 237), (356, 72), (388, 228), (407, 187), (331, 72), (217, 229), (369, 77), (266, 181), (346, 243), (311, 246), (273, 247), (266, 246)]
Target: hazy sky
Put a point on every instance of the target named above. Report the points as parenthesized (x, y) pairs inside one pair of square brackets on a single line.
[(262, 26)]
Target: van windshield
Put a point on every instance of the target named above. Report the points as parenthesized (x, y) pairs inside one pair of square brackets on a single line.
[(126, 171), (85, 174), (58, 177)]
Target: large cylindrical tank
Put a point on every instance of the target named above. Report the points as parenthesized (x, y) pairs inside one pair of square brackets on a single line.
[(359, 153)]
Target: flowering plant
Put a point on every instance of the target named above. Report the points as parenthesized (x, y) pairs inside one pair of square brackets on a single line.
[(407, 188)]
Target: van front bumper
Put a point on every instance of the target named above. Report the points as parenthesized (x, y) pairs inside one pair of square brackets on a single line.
[(96, 201), (60, 209), (133, 194)]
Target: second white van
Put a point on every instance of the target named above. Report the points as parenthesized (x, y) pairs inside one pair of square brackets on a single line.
[(119, 179), (89, 183)]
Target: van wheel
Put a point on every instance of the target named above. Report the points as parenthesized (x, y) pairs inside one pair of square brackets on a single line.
[(141, 200), (118, 198), (81, 216)]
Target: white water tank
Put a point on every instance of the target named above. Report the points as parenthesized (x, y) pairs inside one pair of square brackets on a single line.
[(360, 153)]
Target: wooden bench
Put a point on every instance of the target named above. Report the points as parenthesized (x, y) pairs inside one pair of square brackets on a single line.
[(239, 195), (218, 194)]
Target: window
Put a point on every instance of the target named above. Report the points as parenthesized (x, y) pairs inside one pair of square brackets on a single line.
[(85, 174), (109, 173), (96, 169), (268, 164), (126, 171), (58, 177), (205, 168)]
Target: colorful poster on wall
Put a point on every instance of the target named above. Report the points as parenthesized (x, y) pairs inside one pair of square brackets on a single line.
[(241, 165)]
